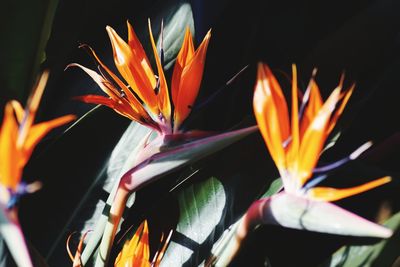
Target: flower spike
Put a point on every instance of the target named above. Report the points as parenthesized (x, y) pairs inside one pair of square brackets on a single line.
[(18, 138), (136, 252), (296, 151), (144, 96), (296, 160), (186, 79)]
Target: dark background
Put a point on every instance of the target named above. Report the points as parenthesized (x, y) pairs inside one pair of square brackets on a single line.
[(361, 38)]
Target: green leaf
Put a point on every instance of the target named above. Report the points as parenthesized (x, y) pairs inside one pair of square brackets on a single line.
[(383, 253), (201, 209), (26, 29)]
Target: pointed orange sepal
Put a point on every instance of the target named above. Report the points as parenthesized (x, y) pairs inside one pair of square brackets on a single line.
[(271, 112), (189, 69), (130, 67), (333, 194), (163, 101), (136, 252), (19, 135), (10, 164)]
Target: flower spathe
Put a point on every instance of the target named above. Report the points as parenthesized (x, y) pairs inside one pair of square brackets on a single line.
[(19, 136), (144, 95), (136, 251), (295, 143)]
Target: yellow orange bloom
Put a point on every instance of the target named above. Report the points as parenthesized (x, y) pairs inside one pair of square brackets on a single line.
[(144, 96), (19, 136), (136, 252), (295, 143)]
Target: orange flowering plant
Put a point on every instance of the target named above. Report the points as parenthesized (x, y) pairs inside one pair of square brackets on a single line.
[(208, 187), (145, 97), (18, 138), (295, 145), (136, 251)]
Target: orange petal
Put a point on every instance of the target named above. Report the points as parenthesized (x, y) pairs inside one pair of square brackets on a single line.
[(332, 194), (314, 105), (38, 131), (33, 104), (98, 100), (18, 109), (140, 54), (131, 97), (118, 102), (185, 54), (136, 252), (314, 138), (143, 250), (104, 85), (269, 118), (121, 107), (279, 102), (10, 167), (190, 81), (295, 142), (339, 111), (164, 104), (130, 68)]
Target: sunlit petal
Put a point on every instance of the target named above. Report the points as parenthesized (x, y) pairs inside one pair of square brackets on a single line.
[(31, 109), (136, 252), (38, 131), (268, 115), (130, 96), (314, 105), (132, 71), (129, 106), (340, 109), (314, 138), (104, 85), (164, 104), (10, 169), (292, 159), (18, 109), (140, 55), (333, 194), (190, 81), (185, 54)]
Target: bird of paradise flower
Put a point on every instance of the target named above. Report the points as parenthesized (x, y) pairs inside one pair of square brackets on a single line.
[(146, 97), (295, 146), (18, 138), (147, 100), (136, 251)]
